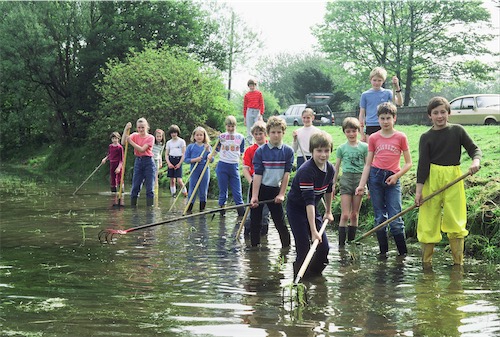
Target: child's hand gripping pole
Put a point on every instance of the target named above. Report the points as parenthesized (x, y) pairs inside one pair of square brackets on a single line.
[(187, 180), (310, 254), (199, 180)]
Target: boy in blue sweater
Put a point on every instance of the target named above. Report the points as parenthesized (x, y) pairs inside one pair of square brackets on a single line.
[(313, 180), (273, 164)]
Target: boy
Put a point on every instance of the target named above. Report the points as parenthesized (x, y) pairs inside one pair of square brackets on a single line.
[(273, 164), (174, 156), (260, 136), (382, 171), (302, 135), (352, 155), (231, 146), (439, 164), (371, 98), (313, 180), (253, 107)]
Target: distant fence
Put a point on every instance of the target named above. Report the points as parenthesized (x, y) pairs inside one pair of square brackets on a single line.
[(416, 115)]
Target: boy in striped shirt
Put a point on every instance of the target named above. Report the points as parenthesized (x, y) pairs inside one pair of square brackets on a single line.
[(313, 180), (273, 164)]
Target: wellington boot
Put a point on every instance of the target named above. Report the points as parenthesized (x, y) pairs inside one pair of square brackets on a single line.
[(351, 233), (133, 202), (113, 189), (427, 251), (150, 202), (203, 204), (457, 250), (400, 241), (342, 237), (383, 242), (190, 208)]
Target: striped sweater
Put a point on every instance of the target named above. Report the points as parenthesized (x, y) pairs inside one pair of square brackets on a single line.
[(271, 162), (310, 184)]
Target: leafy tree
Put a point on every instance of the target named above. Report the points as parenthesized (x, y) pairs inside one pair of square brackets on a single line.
[(414, 40), (291, 77), (165, 86)]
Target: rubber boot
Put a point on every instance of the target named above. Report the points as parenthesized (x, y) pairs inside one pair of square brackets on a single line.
[(401, 244), (113, 189), (342, 237), (383, 242), (133, 202), (203, 204), (150, 202), (241, 211), (427, 251), (457, 250), (190, 208), (351, 233), (222, 210)]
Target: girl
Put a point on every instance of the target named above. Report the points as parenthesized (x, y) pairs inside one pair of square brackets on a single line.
[(158, 147), (144, 167), (174, 155), (115, 157), (197, 152)]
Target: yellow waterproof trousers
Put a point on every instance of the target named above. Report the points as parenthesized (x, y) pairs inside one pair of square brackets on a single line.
[(447, 211)]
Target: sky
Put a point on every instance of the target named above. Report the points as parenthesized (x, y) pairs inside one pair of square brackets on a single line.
[(285, 26)]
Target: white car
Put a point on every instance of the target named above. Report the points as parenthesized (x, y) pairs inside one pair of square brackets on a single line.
[(476, 109)]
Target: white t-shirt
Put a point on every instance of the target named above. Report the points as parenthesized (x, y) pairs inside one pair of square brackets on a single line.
[(175, 147), (303, 136)]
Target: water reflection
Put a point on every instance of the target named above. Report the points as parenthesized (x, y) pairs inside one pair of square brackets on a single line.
[(192, 278)]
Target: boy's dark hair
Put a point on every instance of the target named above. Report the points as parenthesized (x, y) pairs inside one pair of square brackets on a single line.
[(351, 123), (437, 101), (174, 129), (275, 121), (115, 134), (259, 126), (320, 139), (251, 81), (387, 108)]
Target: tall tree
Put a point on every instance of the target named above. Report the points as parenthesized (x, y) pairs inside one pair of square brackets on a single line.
[(414, 40)]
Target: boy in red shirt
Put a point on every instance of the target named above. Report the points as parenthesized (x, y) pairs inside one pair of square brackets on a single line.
[(253, 107)]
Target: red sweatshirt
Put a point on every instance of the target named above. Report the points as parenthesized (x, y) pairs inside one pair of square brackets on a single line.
[(253, 100)]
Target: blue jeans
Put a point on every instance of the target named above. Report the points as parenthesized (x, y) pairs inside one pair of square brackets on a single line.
[(144, 171), (228, 176), (301, 160), (386, 200)]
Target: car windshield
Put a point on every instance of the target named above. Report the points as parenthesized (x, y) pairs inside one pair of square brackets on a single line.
[(487, 101)]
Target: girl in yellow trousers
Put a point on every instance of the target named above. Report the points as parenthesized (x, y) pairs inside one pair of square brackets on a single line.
[(439, 163)]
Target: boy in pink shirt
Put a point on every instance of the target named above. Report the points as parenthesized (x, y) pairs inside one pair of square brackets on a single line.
[(382, 172)]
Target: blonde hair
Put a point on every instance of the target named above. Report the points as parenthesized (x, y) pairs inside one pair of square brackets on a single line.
[(379, 72), (275, 122), (320, 139), (230, 120), (206, 138), (308, 111), (259, 126), (160, 132), (143, 120), (351, 123)]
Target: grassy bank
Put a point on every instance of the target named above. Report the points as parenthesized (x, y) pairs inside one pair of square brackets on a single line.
[(482, 189)]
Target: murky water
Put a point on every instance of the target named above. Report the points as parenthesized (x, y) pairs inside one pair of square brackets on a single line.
[(192, 278)]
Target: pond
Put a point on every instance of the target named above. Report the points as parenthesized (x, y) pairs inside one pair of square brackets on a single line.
[(191, 277)]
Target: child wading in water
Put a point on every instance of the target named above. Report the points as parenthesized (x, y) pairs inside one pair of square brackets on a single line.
[(352, 156), (272, 163), (313, 180), (440, 150), (115, 157), (174, 155), (157, 154), (231, 147), (382, 171), (197, 152), (144, 166)]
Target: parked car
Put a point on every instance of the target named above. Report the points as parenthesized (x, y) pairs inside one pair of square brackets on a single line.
[(476, 109), (318, 102)]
